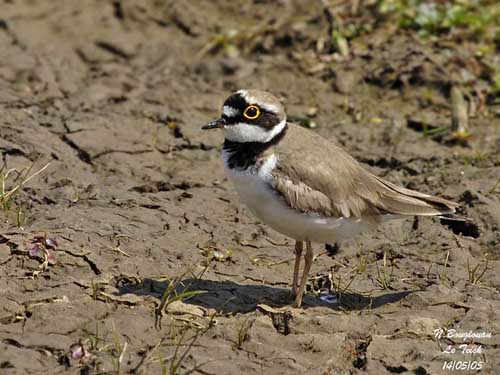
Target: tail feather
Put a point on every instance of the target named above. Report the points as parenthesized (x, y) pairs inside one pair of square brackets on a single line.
[(402, 201), (452, 217)]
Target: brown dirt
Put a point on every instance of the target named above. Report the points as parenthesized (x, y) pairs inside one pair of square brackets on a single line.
[(113, 95)]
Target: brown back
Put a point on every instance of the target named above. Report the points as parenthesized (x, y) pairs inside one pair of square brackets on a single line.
[(316, 176)]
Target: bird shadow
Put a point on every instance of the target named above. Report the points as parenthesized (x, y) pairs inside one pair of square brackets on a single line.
[(230, 298)]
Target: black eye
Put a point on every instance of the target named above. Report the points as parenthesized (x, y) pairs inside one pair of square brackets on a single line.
[(251, 112)]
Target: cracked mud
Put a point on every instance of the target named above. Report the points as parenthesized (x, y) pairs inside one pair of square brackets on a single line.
[(113, 95)]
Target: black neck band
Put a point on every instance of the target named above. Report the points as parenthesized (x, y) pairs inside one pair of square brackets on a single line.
[(245, 154)]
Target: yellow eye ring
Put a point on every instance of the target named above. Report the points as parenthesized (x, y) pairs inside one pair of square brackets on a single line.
[(252, 112)]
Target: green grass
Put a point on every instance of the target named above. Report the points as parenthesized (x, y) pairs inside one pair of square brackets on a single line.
[(12, 182), (362, 263), (183, 338), (475, 19), (384, 276), (100, 348), (242, 332), (476, 273), (339, 287), (457, 21), (494, 187), (443, 276), (171, 294), (475, 158), (109, 349)]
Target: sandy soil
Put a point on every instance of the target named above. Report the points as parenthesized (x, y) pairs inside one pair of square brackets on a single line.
[(113, 94)]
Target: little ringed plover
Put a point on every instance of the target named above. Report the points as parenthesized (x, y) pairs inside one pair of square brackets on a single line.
[(304, 186)]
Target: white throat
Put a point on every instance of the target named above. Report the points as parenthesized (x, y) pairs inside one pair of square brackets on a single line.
[(242, 132)]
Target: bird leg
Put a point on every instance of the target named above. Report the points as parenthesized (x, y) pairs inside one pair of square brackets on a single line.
[(298, 253), (308, 258)]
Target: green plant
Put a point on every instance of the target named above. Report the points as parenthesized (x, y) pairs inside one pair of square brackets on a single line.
[(182, 338), (435, 132), (494, 187), (475, 274), (340, 289), (8, 193), (242, 332), (171, 295), (443, 276), (362, 264), (100, 346), (116, 351), (96, 289), (475, 158), (93, 338), (473, 18), (384, 278), (181, 341)]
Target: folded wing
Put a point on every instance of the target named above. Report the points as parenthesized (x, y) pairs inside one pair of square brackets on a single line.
[(332, 183)]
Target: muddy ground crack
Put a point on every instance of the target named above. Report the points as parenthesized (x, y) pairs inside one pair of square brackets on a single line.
[(83, 155), (128, 152), (45, 349), (90, 262)]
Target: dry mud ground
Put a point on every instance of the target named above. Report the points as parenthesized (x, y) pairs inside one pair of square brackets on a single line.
[(113, 94)]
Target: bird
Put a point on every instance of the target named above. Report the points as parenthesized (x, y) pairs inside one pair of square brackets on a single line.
[(304, 185)]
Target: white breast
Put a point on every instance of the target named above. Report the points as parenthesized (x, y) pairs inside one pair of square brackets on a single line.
[(255, 190)]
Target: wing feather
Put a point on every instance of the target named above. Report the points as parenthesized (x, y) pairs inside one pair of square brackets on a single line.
[(332, 183)]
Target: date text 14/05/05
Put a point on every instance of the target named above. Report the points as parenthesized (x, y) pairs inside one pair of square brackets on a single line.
[(462, 365)]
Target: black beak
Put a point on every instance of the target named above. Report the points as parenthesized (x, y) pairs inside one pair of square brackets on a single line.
[(219, 123)]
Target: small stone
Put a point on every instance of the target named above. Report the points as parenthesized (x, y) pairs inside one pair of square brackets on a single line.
[(312, 111), (345, 81), (180, 308)]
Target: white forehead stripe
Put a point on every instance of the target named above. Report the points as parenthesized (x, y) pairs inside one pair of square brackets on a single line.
[(229, 111), (270, 108), (242, 132), (253, 100), (243, 93)]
